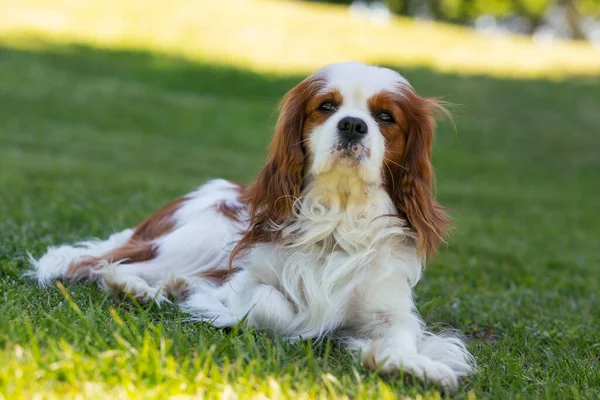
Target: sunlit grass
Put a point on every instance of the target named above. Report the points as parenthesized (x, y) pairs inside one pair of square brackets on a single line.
[(142, 359), (285, 36)]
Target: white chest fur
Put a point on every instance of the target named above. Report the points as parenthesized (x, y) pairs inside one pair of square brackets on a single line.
[(331, 246)]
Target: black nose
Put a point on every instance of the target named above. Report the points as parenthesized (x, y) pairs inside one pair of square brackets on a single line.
[(352, 128)]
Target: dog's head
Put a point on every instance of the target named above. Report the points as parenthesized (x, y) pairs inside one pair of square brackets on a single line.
[(355, 120)]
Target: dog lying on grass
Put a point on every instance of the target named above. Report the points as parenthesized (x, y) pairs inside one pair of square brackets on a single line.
[(328, 240)]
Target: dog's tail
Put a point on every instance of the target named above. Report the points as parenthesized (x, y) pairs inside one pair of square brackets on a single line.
[(62, 261)]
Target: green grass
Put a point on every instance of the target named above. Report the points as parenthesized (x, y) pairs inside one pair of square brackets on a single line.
[(93, 139)]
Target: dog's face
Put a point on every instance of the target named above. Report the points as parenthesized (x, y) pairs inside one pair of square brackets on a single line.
[(354, 121), (352, 124)]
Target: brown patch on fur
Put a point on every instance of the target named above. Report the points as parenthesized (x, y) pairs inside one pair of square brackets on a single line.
[(83, 269), (394, 133), (408, 172), (130, 252), (159, 223), (229, 210), (138, 248), (272, 196), (219, 275), (314, 116)]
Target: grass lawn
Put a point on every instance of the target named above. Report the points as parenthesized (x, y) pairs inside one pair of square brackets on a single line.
[(94, 137)]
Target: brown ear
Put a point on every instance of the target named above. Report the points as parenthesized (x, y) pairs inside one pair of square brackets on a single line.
[(411, 185), (272, 196)]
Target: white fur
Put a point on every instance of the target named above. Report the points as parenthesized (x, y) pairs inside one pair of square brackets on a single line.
[(55, 262), (358, 81), (342, 267)]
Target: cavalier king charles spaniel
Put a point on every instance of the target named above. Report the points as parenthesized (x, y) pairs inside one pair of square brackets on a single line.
[(330, 239)]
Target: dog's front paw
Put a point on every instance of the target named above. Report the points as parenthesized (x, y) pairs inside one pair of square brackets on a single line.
[(416, 365), (423, 368)]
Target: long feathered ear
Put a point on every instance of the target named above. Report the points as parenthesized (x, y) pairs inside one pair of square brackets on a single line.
[(272, 196), (411, 186)]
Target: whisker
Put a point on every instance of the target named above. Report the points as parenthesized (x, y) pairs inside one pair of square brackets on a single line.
[(392, 175), (303, 141), (395, 163)]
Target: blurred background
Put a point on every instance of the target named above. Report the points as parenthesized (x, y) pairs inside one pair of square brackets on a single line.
[(545, 20), (109, 109), (519, 37)]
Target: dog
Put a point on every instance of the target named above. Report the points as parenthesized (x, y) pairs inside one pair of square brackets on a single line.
[(329, 240)]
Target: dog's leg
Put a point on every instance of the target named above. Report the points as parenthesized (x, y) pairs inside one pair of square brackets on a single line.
[(265, 307), (270, 311), (57, 260), (388, 334)]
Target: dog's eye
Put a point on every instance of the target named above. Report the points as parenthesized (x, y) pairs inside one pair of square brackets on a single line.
[(385, 117), (327, 106)]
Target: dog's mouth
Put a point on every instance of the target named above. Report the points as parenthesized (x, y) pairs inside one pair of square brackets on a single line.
[(350, 151)]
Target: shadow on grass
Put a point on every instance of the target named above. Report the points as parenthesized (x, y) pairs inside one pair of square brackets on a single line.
[(177, 73), (514, 119), (162, 70)]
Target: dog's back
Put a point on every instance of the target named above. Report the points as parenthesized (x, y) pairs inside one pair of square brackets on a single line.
[(189, 239)]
